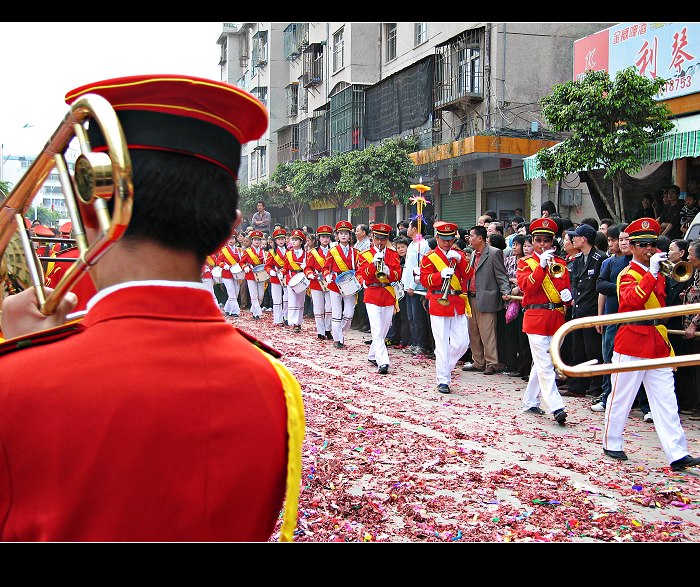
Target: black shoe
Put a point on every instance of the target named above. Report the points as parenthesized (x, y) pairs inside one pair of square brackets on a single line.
[(384, 369), (321, 337), (443, 388), (368, 341), (685, 462), (536, 410), (560, 416), (297, 328), (329, 335), (373, 362), (620, 455), (470, 367), (337, 344)]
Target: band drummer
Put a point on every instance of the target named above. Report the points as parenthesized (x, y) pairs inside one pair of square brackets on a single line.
[(229, 258), (254, 258), (377, 268), (275, 268), (294, 265), (444, 273), (320, 293), (342, 258), (642, 286)]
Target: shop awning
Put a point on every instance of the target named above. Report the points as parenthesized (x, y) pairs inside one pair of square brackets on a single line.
[(681, 141)]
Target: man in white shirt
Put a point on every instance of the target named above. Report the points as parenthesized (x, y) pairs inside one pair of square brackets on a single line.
[(415, 292), (360, 320)]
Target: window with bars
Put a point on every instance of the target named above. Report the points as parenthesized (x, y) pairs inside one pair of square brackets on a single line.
[(312, 65), (259, 52), (458, 67), (390, 41), (338, 50), (420, 33), (292, 91), (260, 92)]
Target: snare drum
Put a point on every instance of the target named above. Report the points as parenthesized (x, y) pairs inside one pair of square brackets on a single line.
[(237, 271), (347, 283), (259, 273), (216, 274), (299, 283)]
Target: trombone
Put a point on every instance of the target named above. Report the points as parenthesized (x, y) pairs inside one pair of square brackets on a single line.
[(97, 178), (592, 368)]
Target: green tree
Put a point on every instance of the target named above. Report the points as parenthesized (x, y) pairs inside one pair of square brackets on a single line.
[(611, 122), (294, 185), (250, 195)]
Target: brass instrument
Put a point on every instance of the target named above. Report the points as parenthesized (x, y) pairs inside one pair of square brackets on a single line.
[(380, 268), (681, 271), (555, 268), (443, 300), (98, 177), (591, 368)]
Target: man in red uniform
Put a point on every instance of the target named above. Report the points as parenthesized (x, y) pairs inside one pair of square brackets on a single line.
[(545, 295), (151, 440), (341, 259), (444, 273), (320, 294), (380, 296), (274, 266), (642, 286)]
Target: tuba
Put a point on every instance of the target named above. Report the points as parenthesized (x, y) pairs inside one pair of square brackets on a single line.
[(97, 179)]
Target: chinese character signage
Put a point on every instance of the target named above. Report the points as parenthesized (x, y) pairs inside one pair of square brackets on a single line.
[(670, 50)]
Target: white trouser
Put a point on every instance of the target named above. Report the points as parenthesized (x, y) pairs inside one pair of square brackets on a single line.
[(232, 288), (279, 303), (380, 318), (295, 306), (256, 290), (542, 384), (451, 335), (659, 386), (323, 311), (343, 309), (209, 282)]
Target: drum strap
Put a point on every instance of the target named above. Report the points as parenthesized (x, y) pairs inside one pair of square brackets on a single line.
[(320, 259), (253, 257), (229, 256), (279, 260), (337, 255), (292, 261)]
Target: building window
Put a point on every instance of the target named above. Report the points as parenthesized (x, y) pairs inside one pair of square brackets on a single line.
[(262, 159), (390, 41), (259, 49), (292, 99), (338, 51), (261, 94), (420, 33)]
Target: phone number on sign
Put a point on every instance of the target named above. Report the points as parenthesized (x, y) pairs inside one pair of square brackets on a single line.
[(677, 83)]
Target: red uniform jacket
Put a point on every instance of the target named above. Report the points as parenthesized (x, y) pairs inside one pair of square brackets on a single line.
[(293, 261), (315, 260), (275, 262), (252, 257), (638, 289), (228, 257), (535, 284), (375, 291), (337, 263), (209, 264), (138, 434), (431, 279)]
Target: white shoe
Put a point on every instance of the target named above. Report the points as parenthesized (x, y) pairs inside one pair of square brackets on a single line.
[(648, 417), (599, 407)]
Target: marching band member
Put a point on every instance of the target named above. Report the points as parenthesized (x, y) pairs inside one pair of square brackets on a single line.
[(380, 296), (207, 277), (320, 294), (151, 441), (275, 267), (294, 264), (228, 258), (444, 273), (545, 295), (341, 258), (641, 285), (254, 256)]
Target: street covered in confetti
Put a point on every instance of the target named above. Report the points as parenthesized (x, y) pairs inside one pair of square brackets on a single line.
[(388, 459)]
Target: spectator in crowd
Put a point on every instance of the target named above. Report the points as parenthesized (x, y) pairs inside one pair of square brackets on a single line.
[(419, 331), (646, 208), (691, 324), (604, 224), (601, 241), (670, 220), (360, 320), (399, 333), (516, 343), (586, 342), (591, 221), (547, 209), (689, 211), (261, 220)]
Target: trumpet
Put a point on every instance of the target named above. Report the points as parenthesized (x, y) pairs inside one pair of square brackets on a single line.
[(380, 268), (443, 300), (555, 268), (97, 178), (590, 368), (680, 271)]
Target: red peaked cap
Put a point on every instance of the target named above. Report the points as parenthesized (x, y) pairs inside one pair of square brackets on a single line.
[(179, 113)]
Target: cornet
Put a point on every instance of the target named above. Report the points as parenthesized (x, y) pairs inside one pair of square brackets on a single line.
[(555, 268), (680, 271), (380, 268), (98, 177), (444, 300)]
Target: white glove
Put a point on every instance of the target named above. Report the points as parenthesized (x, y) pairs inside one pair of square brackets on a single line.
[(416, 271), (452, 254), (545, 257), (227, 266), (447, 272), (246, 269), (329, 279), (565, 295), (302, 264), (273, 273), (655, 262), (377, 256)]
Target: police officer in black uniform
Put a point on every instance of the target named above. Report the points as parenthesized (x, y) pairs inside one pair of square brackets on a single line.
[(586, 343)]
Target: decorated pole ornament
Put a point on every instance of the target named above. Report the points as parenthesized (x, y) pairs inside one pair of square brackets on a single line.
[(419, 201)]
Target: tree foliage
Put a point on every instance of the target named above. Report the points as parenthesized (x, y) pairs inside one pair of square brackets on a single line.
[(611, 122)]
